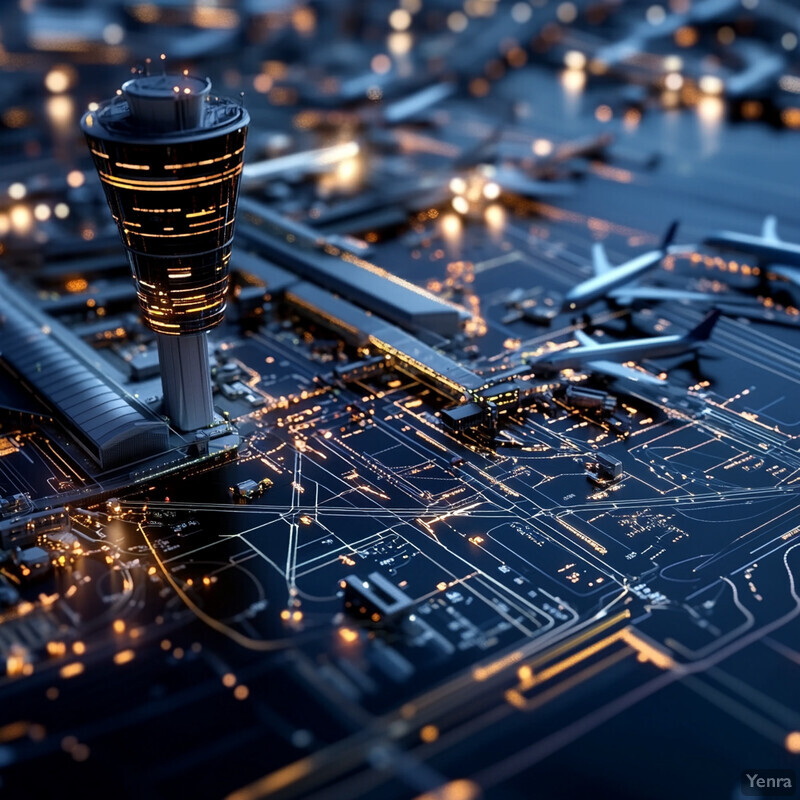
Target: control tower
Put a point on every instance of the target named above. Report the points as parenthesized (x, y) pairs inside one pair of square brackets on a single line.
[(169, 156)]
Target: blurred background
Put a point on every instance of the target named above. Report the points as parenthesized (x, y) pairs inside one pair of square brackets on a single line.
[(435, 77)]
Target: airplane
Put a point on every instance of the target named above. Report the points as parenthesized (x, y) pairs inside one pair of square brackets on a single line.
[(768, 248), (297, 165), (417, 106), (609, 281), (608, 277), (700, 13), (759, 76), (608, 359)]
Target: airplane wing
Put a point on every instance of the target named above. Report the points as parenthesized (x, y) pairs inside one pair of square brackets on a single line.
[(790, 274), (616, 370), (414, 104), (759, 313), (600, 261), (770, 229), (656, 293), (585, 339)]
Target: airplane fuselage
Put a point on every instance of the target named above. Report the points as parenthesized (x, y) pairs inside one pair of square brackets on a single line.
[(597, 288), (632, 350)]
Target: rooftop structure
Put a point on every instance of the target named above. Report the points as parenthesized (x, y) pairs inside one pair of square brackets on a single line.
[(109, 426), (407, 353), (347, 320), (309, 256)]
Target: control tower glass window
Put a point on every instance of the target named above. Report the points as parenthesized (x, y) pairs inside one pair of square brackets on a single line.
[(169, 156)]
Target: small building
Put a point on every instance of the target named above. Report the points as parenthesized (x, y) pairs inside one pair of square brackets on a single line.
[(464, 417), (32, 562), (608, 467), (376, 600), (605, 471), (590, 399), (27, 530), (249, 489), (504, 396), (403, 351), (360, 370)]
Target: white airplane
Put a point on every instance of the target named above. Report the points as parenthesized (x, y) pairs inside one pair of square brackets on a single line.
[(783, 258), (608, 277), (608, 359), (610, 282), (762, 69), (700, 13)]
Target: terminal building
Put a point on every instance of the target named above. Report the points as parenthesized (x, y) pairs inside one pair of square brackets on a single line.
[(312, 258), (109, 426), (404, 352), (481, 401)]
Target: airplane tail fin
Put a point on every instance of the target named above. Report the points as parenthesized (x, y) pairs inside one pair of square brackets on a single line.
[(669, 235), (600, 262), (703, 330), (584, 339), (770, 228)]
